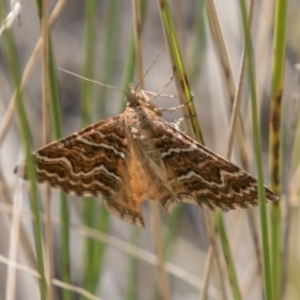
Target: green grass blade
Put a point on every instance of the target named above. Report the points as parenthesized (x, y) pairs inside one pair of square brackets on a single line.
[(88, 69), (236, 293), (276, 141), (56, 120), (180, 75), (97, 251), (12, 61), (258, 154)]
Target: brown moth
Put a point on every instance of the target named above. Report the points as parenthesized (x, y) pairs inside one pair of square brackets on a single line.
[(137, 155)]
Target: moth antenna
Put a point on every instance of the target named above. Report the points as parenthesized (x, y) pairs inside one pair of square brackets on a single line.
[(155, 60), (93, 81)]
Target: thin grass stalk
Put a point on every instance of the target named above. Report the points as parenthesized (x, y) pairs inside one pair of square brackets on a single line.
[(173, 220), (12, 61), (236, 106), (137, 33), (228, 78), (236, 122), (45, 105), (89, 61), (236, 293), (132, 272), (276, 141), (43, 13), (55, 116), (233, 122), (56, 120), (214, 255), (290, 211), (252, 219), (258, 154), (235, 114), (185, 96), (207, 272), (13, 249)]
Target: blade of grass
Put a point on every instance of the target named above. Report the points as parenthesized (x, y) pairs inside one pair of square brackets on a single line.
[(89, 61), (12, 61), (181, 79), (291, 216), (232, 129), (236, 293), (258, 154), (137, 33), (45, 105), (55, 115), (228, 78), (276, 141)]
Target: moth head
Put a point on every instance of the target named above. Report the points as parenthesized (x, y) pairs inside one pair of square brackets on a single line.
[(134, 98)]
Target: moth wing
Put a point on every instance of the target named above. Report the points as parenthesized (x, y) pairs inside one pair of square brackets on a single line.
[(199, 176)]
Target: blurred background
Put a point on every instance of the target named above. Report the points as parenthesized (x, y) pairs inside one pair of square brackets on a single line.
[(88, 253)]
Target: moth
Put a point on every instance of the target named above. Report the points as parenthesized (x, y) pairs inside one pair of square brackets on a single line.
[(137, 155)]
